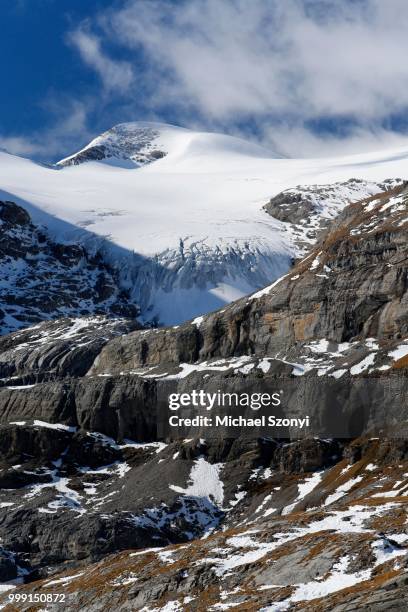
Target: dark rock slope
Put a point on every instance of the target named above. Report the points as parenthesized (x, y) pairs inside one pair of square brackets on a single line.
[(312, 525), (42, 279), (219, 521), (54, 349)]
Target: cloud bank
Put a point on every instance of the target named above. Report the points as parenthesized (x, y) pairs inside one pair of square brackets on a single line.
[(306, 77), (271, 57), (116, 76), (283, 68)]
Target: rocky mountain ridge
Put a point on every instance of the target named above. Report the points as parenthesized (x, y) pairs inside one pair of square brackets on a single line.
[(308, 210), (214, 521)]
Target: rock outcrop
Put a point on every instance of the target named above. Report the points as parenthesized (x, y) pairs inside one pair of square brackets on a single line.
[(133, 142)]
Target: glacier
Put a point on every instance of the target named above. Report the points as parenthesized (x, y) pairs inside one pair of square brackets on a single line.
[(179, 213)]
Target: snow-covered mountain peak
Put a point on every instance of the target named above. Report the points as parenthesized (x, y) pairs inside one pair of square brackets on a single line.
[(135, 142), (140, 142)]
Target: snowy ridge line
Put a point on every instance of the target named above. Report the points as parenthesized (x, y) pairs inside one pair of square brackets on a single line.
[(323, 357)]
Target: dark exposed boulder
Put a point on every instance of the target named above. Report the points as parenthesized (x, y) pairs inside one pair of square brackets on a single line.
[(8, 567)]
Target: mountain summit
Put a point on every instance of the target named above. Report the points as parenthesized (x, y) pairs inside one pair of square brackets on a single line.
[(138, 143), (141, 142)]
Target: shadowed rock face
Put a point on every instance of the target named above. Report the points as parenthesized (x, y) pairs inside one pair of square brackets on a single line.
[(317, 524), (42, 279), (56, 349)]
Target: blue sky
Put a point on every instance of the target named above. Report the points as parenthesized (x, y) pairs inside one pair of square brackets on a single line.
[(36, 61), (305, 77), (45, 79)]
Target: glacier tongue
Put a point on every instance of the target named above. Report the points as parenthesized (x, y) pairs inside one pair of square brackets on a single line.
[(180, 284)]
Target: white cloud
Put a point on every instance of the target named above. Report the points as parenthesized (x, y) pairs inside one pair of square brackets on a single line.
[(18, 145), (266, 56), (297, 141), (115, 75)]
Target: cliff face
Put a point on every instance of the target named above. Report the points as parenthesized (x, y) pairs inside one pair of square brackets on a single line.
[(302, 524), (335, 324)]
